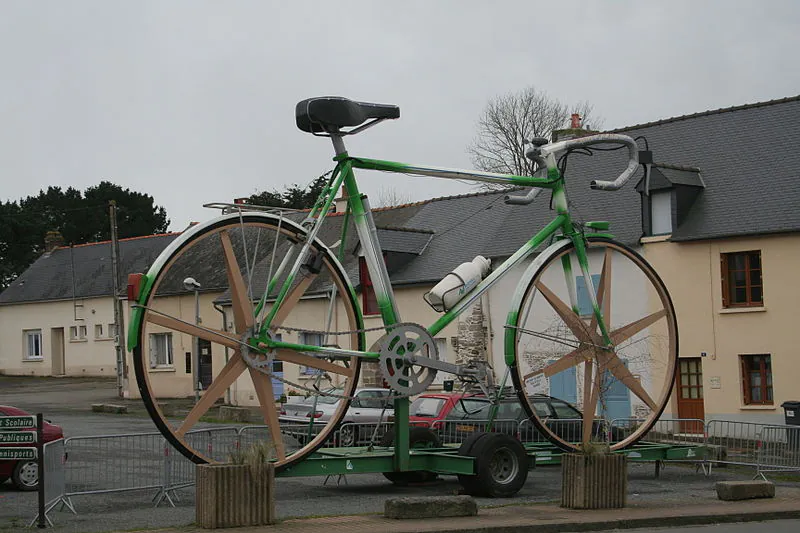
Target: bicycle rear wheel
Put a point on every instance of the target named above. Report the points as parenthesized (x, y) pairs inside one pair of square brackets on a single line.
[(559, 349), (231, 261)]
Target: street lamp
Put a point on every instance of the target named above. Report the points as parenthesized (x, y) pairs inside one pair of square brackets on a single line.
[(191, 284)]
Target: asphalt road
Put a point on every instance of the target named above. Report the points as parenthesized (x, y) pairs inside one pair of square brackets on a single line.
[(67, 402)]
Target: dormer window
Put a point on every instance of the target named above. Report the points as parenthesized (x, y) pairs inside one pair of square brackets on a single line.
[(671, 190)]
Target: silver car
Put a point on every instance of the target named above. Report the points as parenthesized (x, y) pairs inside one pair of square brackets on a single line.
[(369, 407)]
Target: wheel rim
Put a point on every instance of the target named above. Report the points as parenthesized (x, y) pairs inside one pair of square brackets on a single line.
[(504, 466), (29, 474), (232, 259), (347, 436), (559, 351)]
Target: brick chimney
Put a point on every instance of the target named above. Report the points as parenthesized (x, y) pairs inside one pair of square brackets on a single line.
[(52, 240), (575, 130)]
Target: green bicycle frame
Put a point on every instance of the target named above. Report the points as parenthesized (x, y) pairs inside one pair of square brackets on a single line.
[(358, 208)]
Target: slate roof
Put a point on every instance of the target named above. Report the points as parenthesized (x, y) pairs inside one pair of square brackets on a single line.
[(747, 157), (51, 276)]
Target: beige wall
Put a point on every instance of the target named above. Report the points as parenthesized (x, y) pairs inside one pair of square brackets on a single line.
[(92, 356), (691, 271)]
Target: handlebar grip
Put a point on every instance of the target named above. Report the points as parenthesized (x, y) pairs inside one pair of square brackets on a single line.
[(523, 200)]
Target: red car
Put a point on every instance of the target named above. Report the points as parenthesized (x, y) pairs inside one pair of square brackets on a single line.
[(24, 473), (431, 407)]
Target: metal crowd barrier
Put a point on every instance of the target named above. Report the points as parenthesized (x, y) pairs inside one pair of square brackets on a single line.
[(733, 443), (145, 461), (779, 450), (54, 480)]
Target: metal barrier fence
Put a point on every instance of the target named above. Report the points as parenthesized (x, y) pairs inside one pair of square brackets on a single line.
[(733, 443), (54, 480), (673, 431), (145, 461), (779, 450)]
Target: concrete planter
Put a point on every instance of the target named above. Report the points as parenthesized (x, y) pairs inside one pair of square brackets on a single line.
[(235, 495), (594, 481)]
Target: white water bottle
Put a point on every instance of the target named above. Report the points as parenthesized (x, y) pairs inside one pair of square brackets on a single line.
[(448, 292)]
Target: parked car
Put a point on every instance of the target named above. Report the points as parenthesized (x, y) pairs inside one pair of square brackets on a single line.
[(369, 406), (430, 408), (24, 473), (471, 414)]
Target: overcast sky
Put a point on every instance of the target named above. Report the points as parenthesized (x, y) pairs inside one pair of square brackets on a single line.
[(193, 102)]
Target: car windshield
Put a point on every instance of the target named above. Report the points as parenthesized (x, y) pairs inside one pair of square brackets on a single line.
[(428, 407), (564, 410), (469, 408)]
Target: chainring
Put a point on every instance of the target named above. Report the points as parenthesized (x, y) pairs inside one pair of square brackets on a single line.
[(399, 350)]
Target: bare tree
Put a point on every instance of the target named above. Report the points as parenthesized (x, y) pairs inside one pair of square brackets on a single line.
[(390, 196), (509, 120)]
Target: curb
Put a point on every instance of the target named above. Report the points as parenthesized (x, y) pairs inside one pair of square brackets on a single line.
[(632, 523)]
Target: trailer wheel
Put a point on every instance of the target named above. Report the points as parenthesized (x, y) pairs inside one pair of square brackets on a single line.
[(501, 466)]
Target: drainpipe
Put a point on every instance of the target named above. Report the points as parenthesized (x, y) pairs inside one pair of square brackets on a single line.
[(227, 354)]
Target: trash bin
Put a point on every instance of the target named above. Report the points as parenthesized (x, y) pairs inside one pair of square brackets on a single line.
[(791, 411)]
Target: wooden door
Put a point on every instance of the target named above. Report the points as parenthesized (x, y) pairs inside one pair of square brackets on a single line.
[(58, 367), (689, 388)]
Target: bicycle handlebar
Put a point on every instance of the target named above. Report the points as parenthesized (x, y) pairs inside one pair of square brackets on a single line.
[(536, 153), (524, 199)]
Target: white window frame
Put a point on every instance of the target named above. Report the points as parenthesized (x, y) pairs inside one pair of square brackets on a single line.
[(661, 212), (112, 328), (27, 335), (98, 333), (77, 333), (154, 357)]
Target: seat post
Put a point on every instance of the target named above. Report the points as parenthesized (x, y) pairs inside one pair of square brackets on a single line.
[(338, 144)]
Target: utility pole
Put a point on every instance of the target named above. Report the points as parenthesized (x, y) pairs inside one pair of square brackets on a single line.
[(119, 321)]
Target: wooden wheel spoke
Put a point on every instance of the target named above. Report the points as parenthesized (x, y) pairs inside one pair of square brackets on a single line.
[(572, 320), (291, 300), (626, 332), (240, 301), (604, 294), (571, 359), (266, 399), (590, 408), (618, 369), (588, 412), (209, 334), (232, 370), (290, 356)]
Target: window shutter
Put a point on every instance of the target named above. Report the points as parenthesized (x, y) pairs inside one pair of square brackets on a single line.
[(723, 259), (745, 380), (153, 360)]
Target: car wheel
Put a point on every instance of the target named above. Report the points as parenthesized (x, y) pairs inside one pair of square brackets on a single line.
[(347, 435), (417, 438), (26, 475), (501, 466)]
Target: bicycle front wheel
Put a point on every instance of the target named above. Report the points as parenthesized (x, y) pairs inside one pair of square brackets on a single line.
[(201, 297), (559, 350)]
